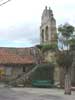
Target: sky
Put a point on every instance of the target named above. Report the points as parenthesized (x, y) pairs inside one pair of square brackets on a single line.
[(20, 20)]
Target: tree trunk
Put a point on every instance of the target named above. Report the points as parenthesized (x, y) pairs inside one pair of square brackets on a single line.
[(61, 77), (68, 80)]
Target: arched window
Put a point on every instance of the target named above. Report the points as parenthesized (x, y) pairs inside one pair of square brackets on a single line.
[(46, 33), (42, 35)]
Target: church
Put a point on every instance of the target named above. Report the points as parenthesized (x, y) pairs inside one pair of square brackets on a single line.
[(48, 36), (17, 61)]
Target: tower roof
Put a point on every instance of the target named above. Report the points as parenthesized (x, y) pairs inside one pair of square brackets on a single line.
[(47, 12)]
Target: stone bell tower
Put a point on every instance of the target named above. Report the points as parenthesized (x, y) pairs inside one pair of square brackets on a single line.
[(48, 27)]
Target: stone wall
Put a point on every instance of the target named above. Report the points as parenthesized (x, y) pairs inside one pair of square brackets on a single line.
[(50, 57), (73, 70)]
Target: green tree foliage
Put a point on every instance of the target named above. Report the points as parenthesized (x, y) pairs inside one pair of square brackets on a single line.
[(66, 30), (47, 47), (72, 44), (64, 59)]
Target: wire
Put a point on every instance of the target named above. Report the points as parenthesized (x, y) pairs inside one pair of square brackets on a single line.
[(1, 0), (4, 2)]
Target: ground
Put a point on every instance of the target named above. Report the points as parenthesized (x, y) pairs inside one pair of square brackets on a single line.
[(34, 94)]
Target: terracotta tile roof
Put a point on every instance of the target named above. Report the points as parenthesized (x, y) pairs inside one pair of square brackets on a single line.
[(7, 57)]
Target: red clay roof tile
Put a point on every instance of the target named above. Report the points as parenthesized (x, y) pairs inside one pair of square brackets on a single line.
[(7, 57)]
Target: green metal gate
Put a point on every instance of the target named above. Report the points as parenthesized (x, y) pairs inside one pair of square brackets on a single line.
[(43, 76)]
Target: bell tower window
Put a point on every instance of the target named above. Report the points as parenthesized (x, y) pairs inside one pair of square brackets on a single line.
[(46, 33)]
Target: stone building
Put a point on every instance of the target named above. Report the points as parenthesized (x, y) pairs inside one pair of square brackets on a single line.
[(14, 62), (48, 36), (48, 26)]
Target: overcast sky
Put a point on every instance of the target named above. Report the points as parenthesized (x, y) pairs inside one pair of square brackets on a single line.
[(20, 20)]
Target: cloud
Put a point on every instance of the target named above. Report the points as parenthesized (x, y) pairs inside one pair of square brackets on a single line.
[(20, 19), (20, 34), (5, 43)]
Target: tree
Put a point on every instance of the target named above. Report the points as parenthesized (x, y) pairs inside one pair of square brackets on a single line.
[(65, 57)]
